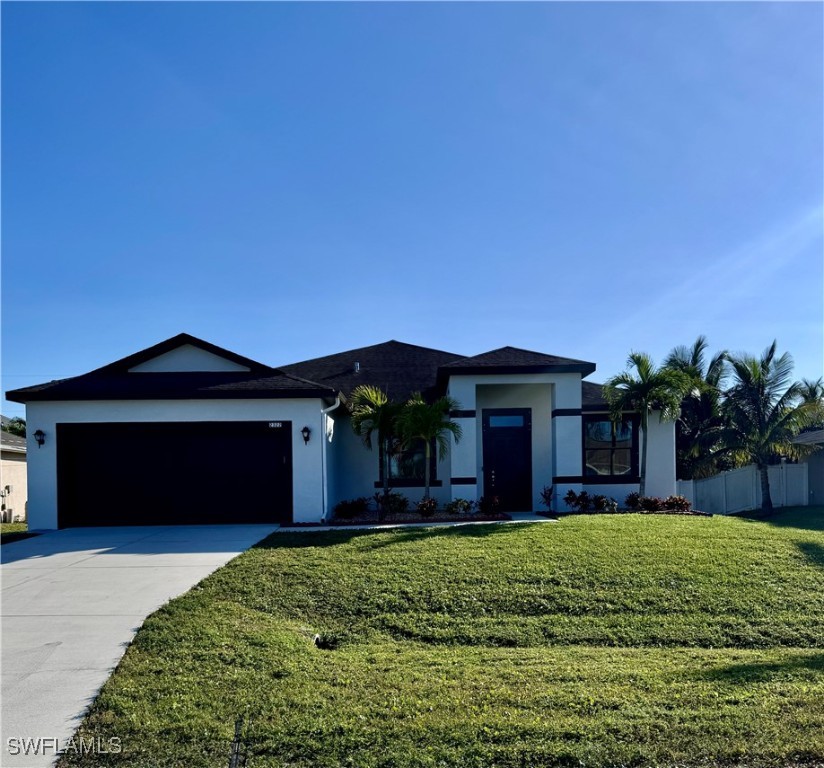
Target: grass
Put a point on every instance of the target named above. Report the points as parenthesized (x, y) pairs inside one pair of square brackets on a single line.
[(596, 641), (14, 532)]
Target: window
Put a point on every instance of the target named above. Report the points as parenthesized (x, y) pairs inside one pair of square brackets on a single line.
[(506, 421), (610, 449), (407, 466)]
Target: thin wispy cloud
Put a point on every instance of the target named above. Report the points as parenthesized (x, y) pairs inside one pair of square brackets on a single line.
[(733, 281)]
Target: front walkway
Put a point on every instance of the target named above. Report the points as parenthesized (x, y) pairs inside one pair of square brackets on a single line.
[(71, 603)]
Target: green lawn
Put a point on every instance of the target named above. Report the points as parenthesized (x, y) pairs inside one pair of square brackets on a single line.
[(14, 532), (596, 641)]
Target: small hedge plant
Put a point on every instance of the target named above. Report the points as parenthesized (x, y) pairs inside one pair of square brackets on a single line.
[(656, 504), (391, 503), (427, 507), (582, 502), (351, 508), (489, 505), (459, 507)]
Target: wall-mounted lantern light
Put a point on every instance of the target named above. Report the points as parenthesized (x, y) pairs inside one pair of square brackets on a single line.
[(306, 432), (40, 437)]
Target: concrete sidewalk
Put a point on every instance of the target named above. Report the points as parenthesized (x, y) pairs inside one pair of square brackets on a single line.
[(71, 603)]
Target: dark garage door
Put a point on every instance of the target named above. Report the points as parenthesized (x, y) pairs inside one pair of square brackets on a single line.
[(174, 473)]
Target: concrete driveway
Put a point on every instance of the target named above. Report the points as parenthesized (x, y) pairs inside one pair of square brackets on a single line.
[(71, 603)]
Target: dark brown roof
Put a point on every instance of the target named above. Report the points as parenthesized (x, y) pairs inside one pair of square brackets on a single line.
[(114, 382), (592, 396), (514, 360), (398, 369), (173, 386)]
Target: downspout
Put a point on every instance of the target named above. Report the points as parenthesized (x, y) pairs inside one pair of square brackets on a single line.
[(324, 479)]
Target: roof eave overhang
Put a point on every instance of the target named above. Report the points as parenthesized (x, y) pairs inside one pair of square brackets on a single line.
[(296, 394), (493, 370)]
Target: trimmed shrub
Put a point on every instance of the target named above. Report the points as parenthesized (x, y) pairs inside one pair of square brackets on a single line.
[(606, 504), (458, 507), (580, 502), (489, 505), (427, 507), (650, 504), (632, 499), (351, 508), (392, 503), (677, 504)]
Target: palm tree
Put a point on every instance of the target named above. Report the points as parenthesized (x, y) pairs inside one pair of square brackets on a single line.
[(373, 413), (764, 412), (429, 422), (699, 426), (647, 389)]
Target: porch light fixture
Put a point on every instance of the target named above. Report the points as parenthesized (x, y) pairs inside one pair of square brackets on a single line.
[(40, 437), (306, 432)]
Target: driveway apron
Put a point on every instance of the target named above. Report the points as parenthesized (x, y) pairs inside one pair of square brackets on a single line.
[(71, 603)]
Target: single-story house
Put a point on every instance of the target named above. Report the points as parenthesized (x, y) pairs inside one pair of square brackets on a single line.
[(188, 432), (13, 491)]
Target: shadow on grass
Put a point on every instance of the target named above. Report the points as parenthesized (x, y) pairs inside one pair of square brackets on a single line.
[(8, 538), (382, 538), (767, 671), (802, 518), (813, 551)]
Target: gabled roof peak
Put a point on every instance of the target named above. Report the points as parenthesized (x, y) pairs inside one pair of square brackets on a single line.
[(176, 342), (515, 359)]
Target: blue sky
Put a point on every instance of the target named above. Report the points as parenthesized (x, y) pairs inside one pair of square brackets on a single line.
[(291, 180)]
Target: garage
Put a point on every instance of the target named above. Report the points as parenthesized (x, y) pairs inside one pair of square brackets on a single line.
[(174, 473)]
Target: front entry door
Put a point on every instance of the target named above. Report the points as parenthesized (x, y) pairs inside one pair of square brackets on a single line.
[(507, 449)]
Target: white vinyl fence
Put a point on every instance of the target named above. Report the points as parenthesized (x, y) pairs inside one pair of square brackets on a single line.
[(740, 489)]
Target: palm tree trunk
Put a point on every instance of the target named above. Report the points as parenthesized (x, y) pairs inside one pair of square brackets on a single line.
[(384, 465), (766, 499), (426, 471), (642, 490)]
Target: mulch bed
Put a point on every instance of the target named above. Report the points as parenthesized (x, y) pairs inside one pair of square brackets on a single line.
[(414, 517), (690, 513)]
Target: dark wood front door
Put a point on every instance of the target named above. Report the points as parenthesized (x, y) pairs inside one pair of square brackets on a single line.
[(507, 456)]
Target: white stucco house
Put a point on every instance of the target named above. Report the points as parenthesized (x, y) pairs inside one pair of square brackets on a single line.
[(188, 432), (13, 491)]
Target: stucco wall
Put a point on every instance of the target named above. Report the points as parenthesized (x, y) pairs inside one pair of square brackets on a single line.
[(660, 457), (13, 474), (556, 442), (356, 469), (187, 358), (538, 398), (307, 460)]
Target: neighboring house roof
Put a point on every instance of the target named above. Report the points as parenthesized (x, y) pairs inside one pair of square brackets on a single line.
[(13, 443), (399, 369), (814, 437), (514, 360), (115, 382)]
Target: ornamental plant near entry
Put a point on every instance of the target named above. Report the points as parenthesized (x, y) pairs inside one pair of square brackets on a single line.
[(427, 506)]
